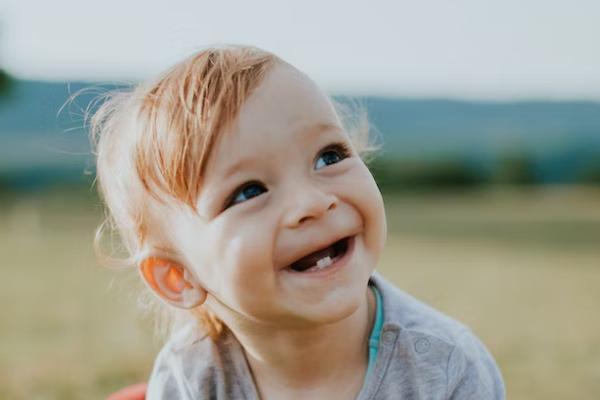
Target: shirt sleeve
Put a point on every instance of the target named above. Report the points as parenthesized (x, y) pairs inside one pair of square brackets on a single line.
[(472, 372)]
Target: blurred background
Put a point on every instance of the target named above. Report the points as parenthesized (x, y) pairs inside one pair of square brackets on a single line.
[(489, 113)]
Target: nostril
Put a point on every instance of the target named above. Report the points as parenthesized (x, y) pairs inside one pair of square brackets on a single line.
[(310, 206), (303, 219)]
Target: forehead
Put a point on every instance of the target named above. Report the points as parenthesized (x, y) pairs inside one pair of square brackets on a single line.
[(286, 103)]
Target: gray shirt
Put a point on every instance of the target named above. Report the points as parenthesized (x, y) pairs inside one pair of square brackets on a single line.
[(423, 354)]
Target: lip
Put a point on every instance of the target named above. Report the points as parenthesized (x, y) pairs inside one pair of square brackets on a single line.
[(333, 268), (316, 246)]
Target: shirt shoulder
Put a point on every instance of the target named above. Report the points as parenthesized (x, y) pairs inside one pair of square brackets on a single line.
[(431, 354), (198, 367)]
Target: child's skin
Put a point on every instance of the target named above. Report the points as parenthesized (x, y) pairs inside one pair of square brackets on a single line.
[(304, 334)]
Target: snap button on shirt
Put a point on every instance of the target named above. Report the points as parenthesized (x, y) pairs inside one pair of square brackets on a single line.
[(422, 345)]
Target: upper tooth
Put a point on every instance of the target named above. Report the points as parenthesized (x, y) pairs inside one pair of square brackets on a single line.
[(324, 262)]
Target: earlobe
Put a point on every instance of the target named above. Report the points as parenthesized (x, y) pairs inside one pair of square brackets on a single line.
[(172, 282)]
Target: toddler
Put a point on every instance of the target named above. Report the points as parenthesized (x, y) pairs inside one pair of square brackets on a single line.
[(241, 196)]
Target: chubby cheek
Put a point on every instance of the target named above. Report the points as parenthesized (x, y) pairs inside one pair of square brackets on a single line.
[(366, 198), (192, 237), (242, 260)]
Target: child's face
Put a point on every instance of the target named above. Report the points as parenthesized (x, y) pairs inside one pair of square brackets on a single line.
[(279, 186)]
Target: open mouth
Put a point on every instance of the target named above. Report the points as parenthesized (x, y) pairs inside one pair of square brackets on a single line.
[(323, 258)]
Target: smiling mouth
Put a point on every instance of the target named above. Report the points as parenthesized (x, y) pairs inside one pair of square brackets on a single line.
[(323, 258)]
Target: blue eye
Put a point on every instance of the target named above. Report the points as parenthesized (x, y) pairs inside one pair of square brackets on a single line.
[(332, 154), (247, 192)]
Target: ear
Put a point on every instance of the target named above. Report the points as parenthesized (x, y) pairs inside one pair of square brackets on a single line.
[(172, 282)]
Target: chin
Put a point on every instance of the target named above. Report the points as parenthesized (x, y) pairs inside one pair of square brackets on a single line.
[(336, 305), (343, 309)]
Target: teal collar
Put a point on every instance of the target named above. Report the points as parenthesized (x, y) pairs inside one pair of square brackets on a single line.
[(376, 331)]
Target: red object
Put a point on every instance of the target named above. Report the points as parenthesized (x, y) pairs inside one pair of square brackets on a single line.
[(133, 392)]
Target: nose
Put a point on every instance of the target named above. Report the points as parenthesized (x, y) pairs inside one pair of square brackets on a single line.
[(308, 202)]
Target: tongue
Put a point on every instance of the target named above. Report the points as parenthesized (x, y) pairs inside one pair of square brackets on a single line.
[(311, 259)]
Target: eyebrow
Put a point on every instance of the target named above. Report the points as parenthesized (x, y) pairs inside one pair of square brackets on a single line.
[(310, 132)]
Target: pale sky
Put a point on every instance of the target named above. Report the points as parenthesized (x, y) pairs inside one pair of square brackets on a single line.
[(475, 49)]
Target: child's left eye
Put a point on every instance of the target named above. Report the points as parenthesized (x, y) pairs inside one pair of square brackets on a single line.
[(332, 154), (246, 192)]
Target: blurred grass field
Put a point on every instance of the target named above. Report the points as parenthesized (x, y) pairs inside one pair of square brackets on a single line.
[(521, 267)]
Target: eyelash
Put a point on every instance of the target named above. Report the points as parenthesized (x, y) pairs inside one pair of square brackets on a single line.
[(341, 148)]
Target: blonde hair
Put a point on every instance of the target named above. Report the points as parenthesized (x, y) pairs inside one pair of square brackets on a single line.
[(152, 143)]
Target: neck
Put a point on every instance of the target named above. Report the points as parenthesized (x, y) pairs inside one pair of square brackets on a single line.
[(304, 360)]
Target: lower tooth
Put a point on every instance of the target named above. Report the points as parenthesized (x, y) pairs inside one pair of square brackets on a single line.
[(324, 262)]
